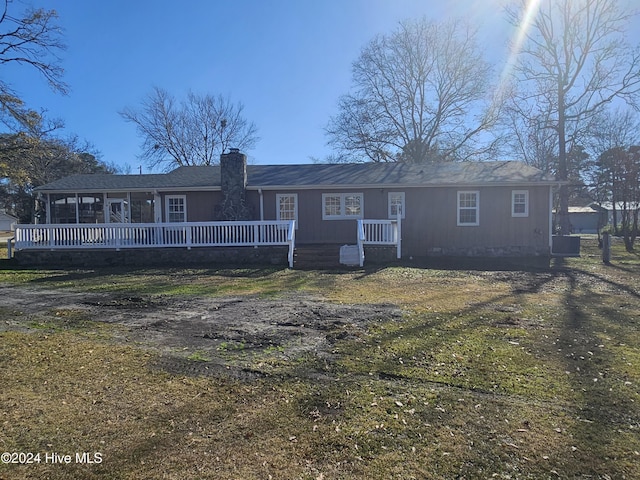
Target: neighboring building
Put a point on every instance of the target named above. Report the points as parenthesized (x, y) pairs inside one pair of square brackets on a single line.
[(589, 219), (446, 209), (607, 207), (593, 217), (7, 222)]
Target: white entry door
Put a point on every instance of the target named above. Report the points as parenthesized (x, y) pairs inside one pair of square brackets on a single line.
[(116, 211)]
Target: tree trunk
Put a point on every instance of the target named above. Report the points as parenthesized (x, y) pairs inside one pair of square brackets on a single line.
[(562, 173), (606, 248)]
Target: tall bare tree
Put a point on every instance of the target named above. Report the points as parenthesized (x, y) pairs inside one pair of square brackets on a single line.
[(573, 63), (194, 132), (530, 141), (419, 94), (34, 39)]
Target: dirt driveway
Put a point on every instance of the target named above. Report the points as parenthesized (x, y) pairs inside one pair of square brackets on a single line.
[(241, 336)]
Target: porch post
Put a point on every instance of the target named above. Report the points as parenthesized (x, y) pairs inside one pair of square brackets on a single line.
[(48, 209), (157, 208), (77, 210)]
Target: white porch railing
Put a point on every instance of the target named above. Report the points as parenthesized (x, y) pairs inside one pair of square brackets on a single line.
[(156, 235), (379, 232)]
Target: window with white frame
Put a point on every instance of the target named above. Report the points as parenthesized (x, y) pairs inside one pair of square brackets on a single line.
[(353, 205), (520, 203), (396, 204), (341, 206), (287, 207), (176, 207), (468, 208)]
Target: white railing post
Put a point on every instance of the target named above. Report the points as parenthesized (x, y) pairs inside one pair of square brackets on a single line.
[(291, 240), (361, 239), (9, 248), (188, 236)]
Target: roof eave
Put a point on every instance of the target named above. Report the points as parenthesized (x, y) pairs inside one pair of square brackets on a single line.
[(129, 189), (544, 183)]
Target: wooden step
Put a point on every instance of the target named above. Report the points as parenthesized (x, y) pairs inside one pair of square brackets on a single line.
[(317, 256)]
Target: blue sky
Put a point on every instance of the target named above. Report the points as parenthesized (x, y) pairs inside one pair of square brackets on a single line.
[(287, 61)]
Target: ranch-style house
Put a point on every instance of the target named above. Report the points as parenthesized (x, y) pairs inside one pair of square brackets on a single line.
[(239, 212)]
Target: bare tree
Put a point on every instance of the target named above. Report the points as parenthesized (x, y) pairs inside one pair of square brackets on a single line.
[(194, 132), (573, 63), (31, 38), (534, 144), (419, 95), (614, 128)]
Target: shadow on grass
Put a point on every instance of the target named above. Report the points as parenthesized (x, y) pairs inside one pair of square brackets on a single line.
[(595, 412), (604, 407)]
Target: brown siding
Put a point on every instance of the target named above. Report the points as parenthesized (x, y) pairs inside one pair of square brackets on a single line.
[(430, 226), (200, 205), (431, 220), (312, 228), (253, 204)]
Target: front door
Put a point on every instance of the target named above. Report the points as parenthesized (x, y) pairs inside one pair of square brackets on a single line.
[(116, 211)]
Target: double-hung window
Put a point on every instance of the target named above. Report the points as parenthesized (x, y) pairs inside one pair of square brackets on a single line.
[(176, 208), (468, 208), (520, 203), (287, 207), (396, 204), (342, 206)]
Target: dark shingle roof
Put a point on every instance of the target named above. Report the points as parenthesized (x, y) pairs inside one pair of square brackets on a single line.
[(310, 175)]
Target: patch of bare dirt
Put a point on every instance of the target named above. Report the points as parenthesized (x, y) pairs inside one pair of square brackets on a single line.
[(202, 335)]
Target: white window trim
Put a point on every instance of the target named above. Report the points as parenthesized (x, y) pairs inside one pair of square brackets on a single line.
[(343, 215), (403, 207), (166, 206), (295, 204), (477, 208), (526, 203)]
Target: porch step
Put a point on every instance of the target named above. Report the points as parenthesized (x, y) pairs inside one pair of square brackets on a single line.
[(317, 256)]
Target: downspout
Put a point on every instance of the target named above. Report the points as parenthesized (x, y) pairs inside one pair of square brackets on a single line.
[(261, 204), (399, 233)]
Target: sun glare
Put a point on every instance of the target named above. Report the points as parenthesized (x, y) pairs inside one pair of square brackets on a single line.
[(520, 36)]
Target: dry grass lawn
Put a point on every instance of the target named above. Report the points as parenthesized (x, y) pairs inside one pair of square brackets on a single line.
[(512, 374)]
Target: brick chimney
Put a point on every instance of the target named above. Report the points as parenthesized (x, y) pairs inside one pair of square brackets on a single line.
[(233, 183)]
